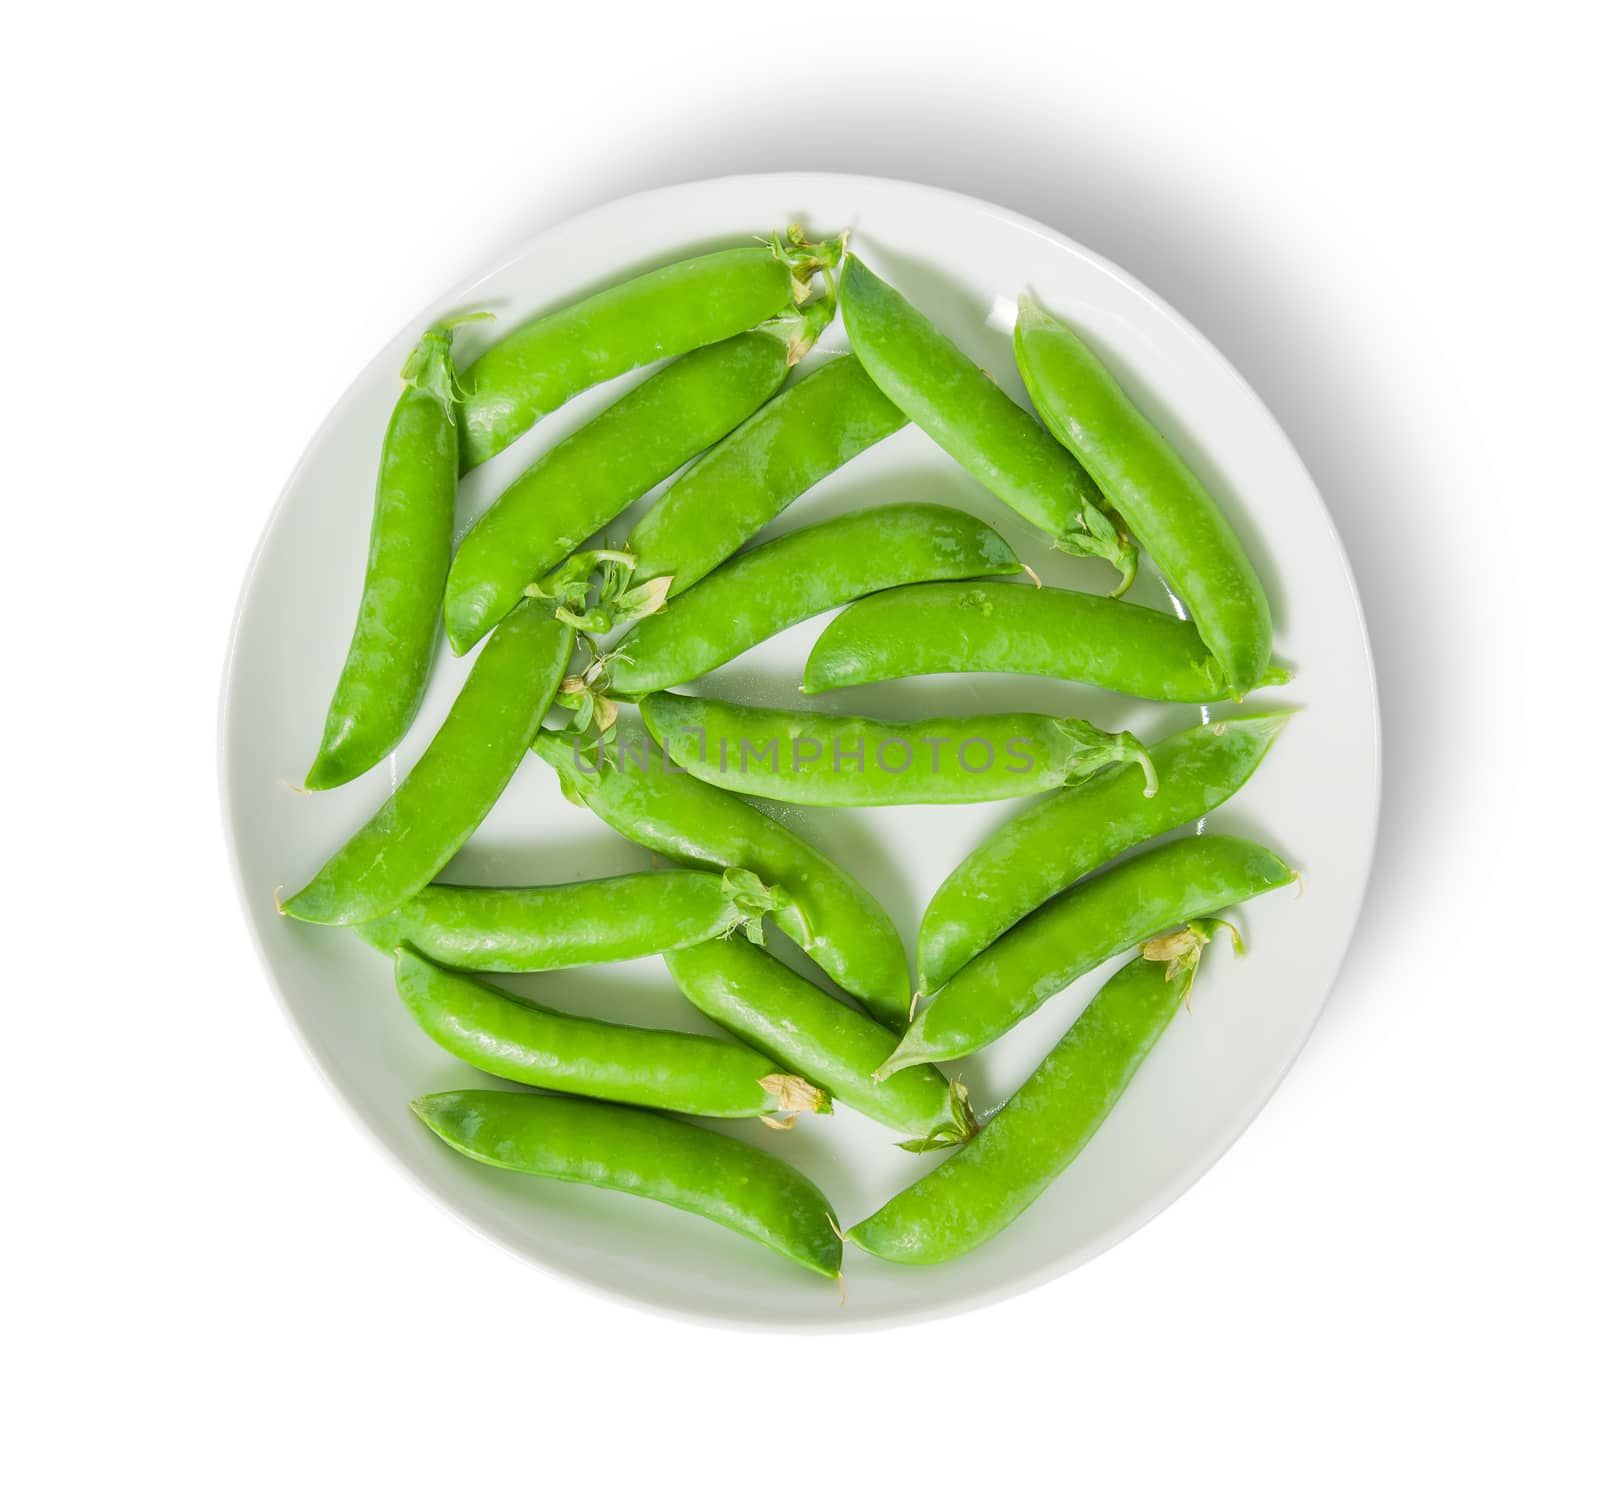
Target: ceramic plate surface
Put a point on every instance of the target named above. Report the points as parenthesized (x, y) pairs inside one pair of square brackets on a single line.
[(1315, 799)]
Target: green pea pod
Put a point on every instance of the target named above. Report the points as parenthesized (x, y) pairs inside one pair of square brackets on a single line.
[(1083, 927), (1047, 847), (515, 1038), (841, 761), (726, 496), (973, 1195), (639, 1152), (545, 362), (582, 483), (764, 1003), (386, 670), (465, 768), (519, 930), (773, 586), (946, 394), (1157, 494), (994, 627), (833, 917)]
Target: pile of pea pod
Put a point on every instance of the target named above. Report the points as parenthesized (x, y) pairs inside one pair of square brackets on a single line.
[(581, 641)]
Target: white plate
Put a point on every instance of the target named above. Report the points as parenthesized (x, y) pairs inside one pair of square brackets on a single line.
[(1315, 799)]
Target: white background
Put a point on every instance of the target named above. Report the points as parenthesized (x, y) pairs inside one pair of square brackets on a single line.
[(1383, 215)]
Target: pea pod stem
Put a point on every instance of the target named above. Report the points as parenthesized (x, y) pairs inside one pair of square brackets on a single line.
[(805, 256), (840, 761), (798, 328), (1083, 927), (972, 1195), (1180, 950), (640, 1152), (593, 711), (607, 573)]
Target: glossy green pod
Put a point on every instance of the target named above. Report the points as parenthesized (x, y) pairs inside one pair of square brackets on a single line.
[(639, 1152), (1087, 924), (581, 484), (523, 929), (518, 1039), (408, 553), (844, 761), (764, 1003), (727, 495), (980, 626), (779, 583), (971, 1196), (458, 778), (833, 917), (1047, 847), (1157, 494), (928, 377), (543, 363)]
